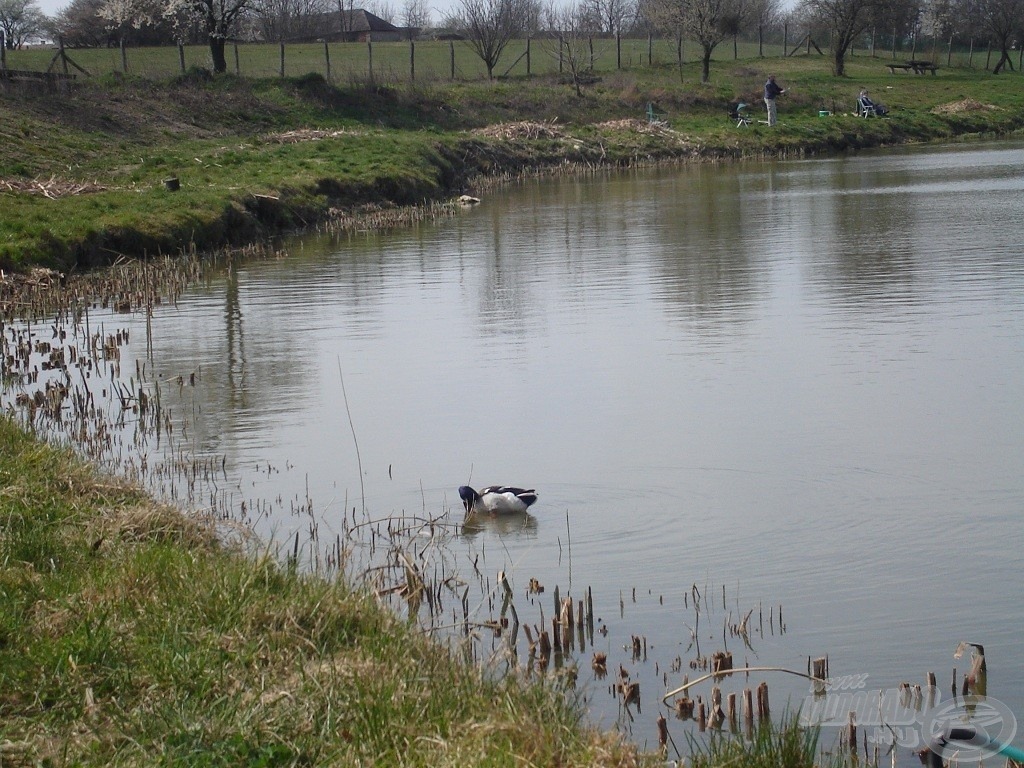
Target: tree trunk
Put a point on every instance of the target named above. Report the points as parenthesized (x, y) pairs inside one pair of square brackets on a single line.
[(1004, 60), (839, 62), (220, 63), (705, 65)]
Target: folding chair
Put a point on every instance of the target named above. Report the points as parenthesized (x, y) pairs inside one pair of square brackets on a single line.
[(736, 113), (654, 117), (866, 109)]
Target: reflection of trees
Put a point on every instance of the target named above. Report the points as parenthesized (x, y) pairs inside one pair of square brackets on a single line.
[(511, 252), (234, 342), (709, 252), (865, 253), (582, 238)]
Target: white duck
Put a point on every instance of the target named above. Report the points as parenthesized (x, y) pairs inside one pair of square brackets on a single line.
[(497, 499)]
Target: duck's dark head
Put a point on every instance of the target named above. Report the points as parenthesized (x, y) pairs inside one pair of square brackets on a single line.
[(469, 497)]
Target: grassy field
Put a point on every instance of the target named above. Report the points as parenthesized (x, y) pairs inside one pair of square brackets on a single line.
[(399, 62), (83, 171)]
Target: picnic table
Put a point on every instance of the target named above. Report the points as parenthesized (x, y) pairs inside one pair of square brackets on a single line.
[(917, 67)]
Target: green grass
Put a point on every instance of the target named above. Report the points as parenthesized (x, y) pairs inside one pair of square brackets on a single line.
[(769, 746), (431, 60), (394, 142), (133, 635)]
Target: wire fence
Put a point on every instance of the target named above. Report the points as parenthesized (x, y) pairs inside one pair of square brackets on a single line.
[(415, 60)]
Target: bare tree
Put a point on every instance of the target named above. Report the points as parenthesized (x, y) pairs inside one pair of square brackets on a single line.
[(571, 28), (612, 16), (382, 10), (708, 22), (415, 14), (1003, 21), (290, 19), (490, 25), (764, 14), (846, 19), (80, 24), (20, 20)]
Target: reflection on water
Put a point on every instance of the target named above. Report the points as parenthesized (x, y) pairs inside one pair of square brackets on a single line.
[(518, 524), (783, 384)]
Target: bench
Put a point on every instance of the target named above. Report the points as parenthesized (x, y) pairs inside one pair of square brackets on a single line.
[(917, 67)]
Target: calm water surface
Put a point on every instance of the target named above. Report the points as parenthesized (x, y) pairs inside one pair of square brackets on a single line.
[(798, 382)]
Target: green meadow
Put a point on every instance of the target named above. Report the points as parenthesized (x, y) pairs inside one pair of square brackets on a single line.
[(84, 169)]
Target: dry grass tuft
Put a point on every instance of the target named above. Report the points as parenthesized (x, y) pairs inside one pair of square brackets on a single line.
[(525, 129), (154, 522), (964, 105), (310, 134), (52, 188)]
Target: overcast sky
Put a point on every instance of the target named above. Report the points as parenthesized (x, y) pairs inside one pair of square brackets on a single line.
[(438, 8)]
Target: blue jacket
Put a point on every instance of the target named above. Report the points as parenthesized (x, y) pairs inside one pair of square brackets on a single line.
[(771, 89)]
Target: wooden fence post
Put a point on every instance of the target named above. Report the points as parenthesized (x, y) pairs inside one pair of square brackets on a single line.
[(3, 51), (124, 58), (650, 50), (282, 58), (618, 49), (181, 57), (369, 55), (327, 59), (785, 38), (528, 73), (451, 53), (238, 64), (412, 60)]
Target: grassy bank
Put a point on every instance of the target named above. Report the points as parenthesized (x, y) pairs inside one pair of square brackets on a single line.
[(82, 176), (132, 635)]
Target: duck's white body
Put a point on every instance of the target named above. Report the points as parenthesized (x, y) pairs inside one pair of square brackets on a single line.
[(497, 499)]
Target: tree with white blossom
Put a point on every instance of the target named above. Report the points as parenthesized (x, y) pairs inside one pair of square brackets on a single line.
[(217, 18)]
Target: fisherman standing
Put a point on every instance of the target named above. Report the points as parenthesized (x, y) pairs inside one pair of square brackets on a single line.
[(771, 91)]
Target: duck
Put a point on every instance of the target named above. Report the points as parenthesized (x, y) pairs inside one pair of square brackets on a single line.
[(497, 499)]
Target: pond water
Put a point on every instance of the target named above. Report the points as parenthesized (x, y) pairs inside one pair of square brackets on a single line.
[(789, 386)]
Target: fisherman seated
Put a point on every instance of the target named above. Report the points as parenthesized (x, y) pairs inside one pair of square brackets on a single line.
[(867, 108)]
